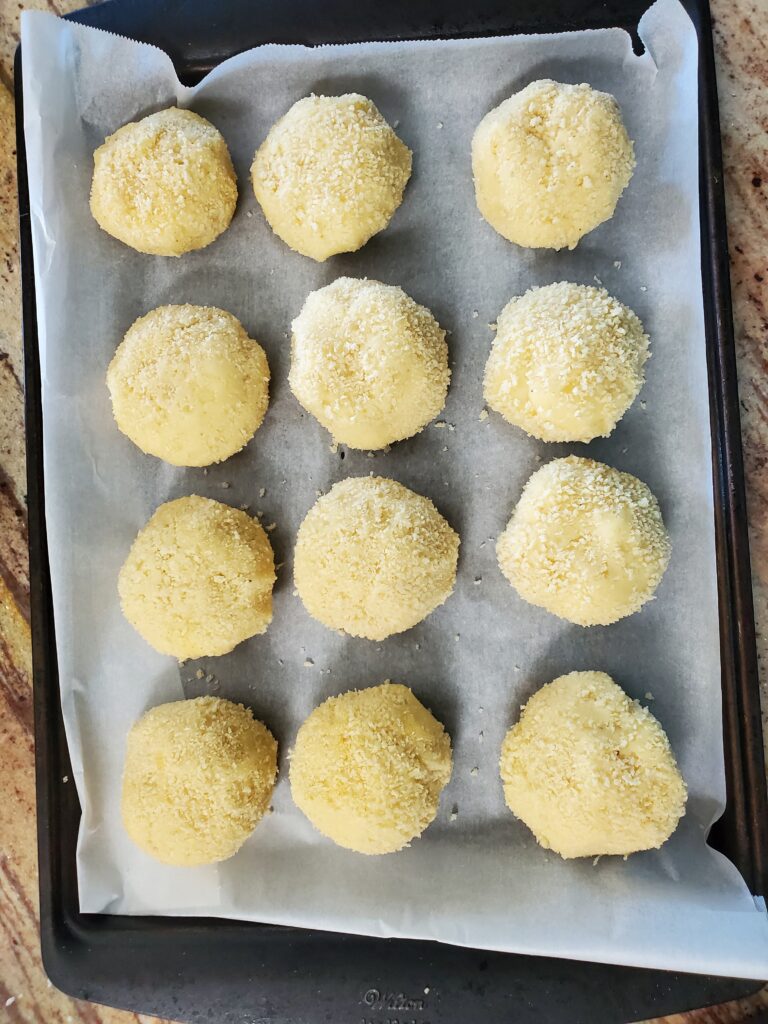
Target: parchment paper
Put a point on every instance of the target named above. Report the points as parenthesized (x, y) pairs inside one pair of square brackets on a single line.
[(480, 879)]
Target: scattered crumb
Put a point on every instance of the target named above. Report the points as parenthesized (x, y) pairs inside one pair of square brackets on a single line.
[(478, 579), (318, 494), (445, 447), (643, 288), (210, 678), (597, 280), (483, 414), (595, 861), (225, 484), (451, 426), (643, 405), (244, 507), (262, 491), (279, 566), (333, 447), (474, 771), (308, 663), (439, 424), (649, 696), (65, 778), (270, 528), (426, 991), (481, 709), (454, 812), (205, 472), (249, 213), (480, 736), (370, 455), (10, 1000), (439, 124), (199, 674), (617, 264), (475, 314), (457, 637), (418, 647)]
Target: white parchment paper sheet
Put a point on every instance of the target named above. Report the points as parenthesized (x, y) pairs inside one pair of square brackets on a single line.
[(480, 879)]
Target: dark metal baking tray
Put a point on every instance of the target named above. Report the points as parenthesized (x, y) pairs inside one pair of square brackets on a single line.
[(196, 969)]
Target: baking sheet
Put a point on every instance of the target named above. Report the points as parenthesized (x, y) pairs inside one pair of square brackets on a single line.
[(479, 879)]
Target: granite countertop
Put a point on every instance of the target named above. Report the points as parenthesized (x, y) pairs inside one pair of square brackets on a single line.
[(742, 58)]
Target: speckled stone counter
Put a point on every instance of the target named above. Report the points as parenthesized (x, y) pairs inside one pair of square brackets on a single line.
[(742, 51)]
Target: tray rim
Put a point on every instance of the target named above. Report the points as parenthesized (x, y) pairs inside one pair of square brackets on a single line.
[(70, 940)]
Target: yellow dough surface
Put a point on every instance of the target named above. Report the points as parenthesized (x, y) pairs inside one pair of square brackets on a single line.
[(198, 579), (369, 766), (567, 362), (330, 174), (198, 778), (188, 385), (373, 558), (550, 163), (590, 771), (165, 184), (586, 542), (368, 362)]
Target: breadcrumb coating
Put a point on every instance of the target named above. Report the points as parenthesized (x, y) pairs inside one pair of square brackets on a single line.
[(373, 558), (368, 362), (369, 766), (550, 163), (330, 174), (198, 579), (586, 542), (590, 771), (188, 385), (567, 362), (164, 185), (198, 778)]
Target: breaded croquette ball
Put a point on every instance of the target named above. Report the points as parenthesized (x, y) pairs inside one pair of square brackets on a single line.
[(188, 385), (198, 778), (164, 185), (330, 174), (368, 362), (373, 558), (550, 164), (590, 771), (369, 766), (567, 362), (586, 542), (198, 579)]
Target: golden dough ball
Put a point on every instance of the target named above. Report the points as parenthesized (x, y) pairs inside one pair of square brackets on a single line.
[(567, 362), (188, 385), (164, 185), (550, 164), (368, 362), (330, 174), (590, 771), (198, 778), (586, 542), (198, 579), (369, 766), (373, 558)]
